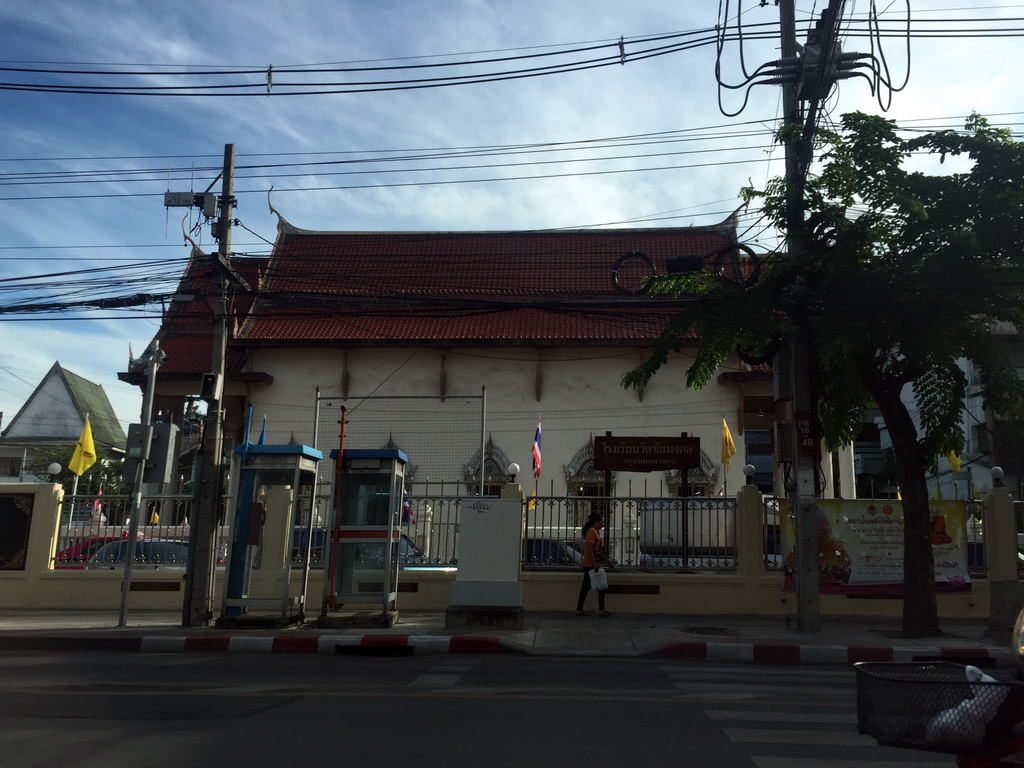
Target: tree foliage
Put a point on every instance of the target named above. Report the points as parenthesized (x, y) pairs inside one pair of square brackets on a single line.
[(900, 274), (105, 473)]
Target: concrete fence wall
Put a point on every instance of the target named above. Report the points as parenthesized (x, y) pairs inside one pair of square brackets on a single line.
[(32, 582)]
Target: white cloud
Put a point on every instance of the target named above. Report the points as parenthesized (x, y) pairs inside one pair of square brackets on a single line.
[(674, 92)]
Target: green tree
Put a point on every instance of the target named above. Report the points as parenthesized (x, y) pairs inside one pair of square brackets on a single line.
[(105, 473), (902, 274)]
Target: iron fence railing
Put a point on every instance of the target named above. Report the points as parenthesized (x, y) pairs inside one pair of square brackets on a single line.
[(673, 534), (93, 525), (650, 534)]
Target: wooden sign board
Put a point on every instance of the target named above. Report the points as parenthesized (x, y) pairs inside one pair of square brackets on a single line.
[(646, 454)]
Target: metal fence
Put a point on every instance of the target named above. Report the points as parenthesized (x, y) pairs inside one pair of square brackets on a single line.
[(673, 534), (695, 534), (93, 525)]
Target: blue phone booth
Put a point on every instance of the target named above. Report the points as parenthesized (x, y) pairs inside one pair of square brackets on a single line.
[(272, 531), (362, 566)]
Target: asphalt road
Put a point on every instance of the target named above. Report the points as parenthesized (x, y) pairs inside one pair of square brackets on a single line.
[(114, 710)]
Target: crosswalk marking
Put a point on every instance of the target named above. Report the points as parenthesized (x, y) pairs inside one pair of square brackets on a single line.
[(694, 672), (794, 736), (437, 680), (784, 717), (750, 722), (447, 674), (773, 688), (830, 762)]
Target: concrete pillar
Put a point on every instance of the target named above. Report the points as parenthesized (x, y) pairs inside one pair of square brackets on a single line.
[(847, 472), (1007, 593), (749, 532)]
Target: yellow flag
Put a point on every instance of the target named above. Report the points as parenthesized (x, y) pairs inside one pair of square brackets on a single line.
[(532, 501), (85, 451), (728, 446), (954, 461)]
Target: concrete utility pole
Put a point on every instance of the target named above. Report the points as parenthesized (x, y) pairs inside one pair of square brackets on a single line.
[(208, 501), (805, 442), (152, 358)]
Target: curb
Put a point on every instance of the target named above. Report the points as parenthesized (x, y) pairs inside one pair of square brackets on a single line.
[(410, 645), (378, 645)]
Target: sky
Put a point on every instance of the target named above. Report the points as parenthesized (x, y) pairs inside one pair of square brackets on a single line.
[(498, 140)]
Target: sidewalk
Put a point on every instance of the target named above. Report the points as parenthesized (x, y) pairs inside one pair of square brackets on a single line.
[(553, 633)]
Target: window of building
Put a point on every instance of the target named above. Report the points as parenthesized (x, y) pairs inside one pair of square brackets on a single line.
[(10, 466), (496, 474), (759, 450), (697, 481)]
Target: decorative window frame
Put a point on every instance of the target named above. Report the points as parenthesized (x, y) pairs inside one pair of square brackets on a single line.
[(581, 471), (705, 475), (495, 468)]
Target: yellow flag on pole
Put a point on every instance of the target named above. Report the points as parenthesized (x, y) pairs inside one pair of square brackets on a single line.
[(954, 461), (728, 446), (85, 451)]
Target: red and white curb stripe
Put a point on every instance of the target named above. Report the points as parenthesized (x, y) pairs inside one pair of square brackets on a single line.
[(416, 644)]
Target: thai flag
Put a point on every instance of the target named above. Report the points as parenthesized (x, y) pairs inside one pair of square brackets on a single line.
[(536, 452), (407, 515)]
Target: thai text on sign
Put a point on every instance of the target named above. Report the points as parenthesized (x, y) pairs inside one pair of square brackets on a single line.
[(646, 454)]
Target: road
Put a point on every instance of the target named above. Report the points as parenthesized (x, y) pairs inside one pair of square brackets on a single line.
[(110, 710)]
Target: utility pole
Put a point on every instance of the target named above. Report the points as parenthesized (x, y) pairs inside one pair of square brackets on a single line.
[(805, 442), (152, 358), (209, 496)]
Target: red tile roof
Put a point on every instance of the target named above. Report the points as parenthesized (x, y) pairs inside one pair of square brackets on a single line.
[(530, 288)]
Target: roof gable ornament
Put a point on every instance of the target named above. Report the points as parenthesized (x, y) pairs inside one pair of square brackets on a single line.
[(283, 225)]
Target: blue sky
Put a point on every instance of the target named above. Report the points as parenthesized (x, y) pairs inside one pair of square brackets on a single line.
[(684, 166)]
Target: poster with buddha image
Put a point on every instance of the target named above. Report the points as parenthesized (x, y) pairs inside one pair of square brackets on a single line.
[(860, 545)]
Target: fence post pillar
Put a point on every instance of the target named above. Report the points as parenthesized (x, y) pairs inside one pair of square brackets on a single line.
[(749, 532), (1005, 591)]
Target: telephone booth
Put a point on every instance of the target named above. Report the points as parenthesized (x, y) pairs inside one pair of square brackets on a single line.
[(272, 535), (362, 566)]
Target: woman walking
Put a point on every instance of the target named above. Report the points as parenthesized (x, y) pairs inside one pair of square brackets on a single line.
[(593, 543)]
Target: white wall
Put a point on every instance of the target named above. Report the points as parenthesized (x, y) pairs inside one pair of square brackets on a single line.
[(581, 397)]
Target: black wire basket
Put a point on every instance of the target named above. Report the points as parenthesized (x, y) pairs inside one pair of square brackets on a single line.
[(935, 707)]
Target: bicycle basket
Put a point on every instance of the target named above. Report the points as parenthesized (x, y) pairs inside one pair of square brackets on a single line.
[(933, 706)]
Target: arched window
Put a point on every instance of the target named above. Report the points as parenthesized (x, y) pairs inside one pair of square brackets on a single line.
[(699, 481), (495, 471), (581, 477)]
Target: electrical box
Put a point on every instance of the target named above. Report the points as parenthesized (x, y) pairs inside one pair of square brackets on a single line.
[(157, 447), (209, 202), (213, 386)]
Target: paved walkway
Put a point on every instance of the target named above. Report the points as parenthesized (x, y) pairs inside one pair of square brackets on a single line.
[(549, 633)]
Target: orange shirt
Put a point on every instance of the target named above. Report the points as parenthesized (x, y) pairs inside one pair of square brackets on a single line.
[(596, 543)]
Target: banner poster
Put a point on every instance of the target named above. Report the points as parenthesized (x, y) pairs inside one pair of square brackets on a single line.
[(860, 545)]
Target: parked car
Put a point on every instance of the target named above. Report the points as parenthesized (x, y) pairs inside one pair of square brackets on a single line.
[(541, 552), (77, 555), (147, 552), (408, 552), (373, 554)]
